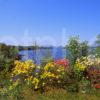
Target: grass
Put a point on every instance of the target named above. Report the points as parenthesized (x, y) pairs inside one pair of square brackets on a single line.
[(59, 94), (52, 94)]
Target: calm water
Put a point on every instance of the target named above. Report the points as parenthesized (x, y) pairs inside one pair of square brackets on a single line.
[(38, 55)]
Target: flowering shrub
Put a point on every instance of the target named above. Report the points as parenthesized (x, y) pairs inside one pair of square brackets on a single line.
[(55, 73), (91, 67), (86, 62), (25, 71), (51, 73), (93, 74), (23, 67), (38, 76), (63, 62)]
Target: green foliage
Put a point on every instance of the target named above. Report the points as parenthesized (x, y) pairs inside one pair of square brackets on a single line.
[(97, 42), (45, 61), (84, 48), (77, 49), (74, 48), (85, 86), (7, 56), (72, 82)]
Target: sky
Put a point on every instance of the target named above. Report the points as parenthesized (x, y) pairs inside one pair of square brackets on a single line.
[(48, 22)]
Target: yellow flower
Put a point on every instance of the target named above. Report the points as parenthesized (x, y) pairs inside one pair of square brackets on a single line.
[(43, 84), (36, 87), (48, 66), (35, 81), (38, 67), (23, 67), (47, 75), (85, 62)]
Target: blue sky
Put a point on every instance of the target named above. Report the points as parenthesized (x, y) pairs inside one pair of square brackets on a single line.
[(48, 21)]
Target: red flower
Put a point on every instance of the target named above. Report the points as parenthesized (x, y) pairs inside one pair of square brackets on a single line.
[(97, 86), (63, 62)]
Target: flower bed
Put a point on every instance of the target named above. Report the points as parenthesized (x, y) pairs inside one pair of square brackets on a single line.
[(57, 74), (91, 67)]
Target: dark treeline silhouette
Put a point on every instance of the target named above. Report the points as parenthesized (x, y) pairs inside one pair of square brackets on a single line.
[(20, 47)]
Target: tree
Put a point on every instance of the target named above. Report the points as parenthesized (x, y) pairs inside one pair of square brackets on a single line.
[(84, 48), (74, 48), (97, 43), (77, 49)]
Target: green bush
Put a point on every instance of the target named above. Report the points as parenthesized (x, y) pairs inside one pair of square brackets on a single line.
[(7, 57)]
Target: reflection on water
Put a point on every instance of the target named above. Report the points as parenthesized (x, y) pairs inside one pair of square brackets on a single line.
[(38, 55)]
